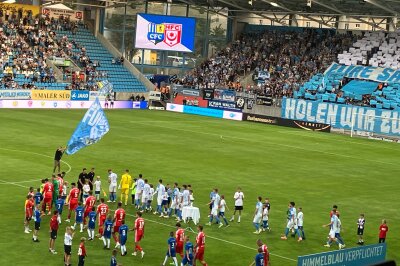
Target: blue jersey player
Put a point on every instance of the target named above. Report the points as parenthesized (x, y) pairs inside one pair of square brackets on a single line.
[(123, 236), (188, 258), (79, 216), (92, 223), (38, 197), (108, 227), (60, 206), (171, 252)]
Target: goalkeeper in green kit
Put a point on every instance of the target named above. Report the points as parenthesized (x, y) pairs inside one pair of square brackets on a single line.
[(56, 189)]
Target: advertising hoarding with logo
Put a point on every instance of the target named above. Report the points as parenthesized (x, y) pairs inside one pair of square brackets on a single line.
[(57, 104), (168, 33), (74, 15)]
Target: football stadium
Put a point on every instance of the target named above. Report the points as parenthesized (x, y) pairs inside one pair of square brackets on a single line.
[(200, 132)]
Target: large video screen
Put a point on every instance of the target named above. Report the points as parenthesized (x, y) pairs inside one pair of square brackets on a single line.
[(166, 33)]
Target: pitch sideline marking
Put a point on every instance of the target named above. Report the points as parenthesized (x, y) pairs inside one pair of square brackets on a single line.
[(278, 144), (43, 155), (168, 225)]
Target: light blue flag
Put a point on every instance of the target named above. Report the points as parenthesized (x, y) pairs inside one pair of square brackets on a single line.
[(105, 87), (93, 126)]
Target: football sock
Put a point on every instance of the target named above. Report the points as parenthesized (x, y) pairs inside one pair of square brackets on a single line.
[(286, 232), (256, 225), (92, 233), (138, 247), (108, 242), (81, 226), (115, 238), (175, 260), (165, 260), (105, 241), (226, 221), (89, 233), (239, 219)]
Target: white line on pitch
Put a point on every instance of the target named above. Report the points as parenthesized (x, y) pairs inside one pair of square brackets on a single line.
[(43, 155)]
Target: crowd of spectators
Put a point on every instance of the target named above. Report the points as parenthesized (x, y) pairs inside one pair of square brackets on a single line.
[(27, 41), (290, 58)]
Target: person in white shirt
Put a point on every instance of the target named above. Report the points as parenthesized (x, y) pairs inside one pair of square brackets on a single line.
[(151, 197), (215, 206), (64, 191), (86, 189), (222, 207), (145, 195), (239, 197), (265, 225), (160, 192), (257, 215), (97, 188), (300, 221), (139, 191), (112, 180), (185, 196), (69, 235), (164, 205)]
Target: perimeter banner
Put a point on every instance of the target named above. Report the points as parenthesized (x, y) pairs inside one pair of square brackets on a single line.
[(58, 95)]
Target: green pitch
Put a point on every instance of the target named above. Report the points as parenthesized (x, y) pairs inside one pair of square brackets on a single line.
[(316, 170)]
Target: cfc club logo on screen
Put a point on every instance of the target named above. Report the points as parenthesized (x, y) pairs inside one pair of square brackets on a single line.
[(168, 33)]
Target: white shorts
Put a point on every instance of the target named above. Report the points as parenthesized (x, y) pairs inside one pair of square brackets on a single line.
[(144, 199), (291, 224), (159, 201), (173, 204), (138, 195), (113, 188), (214, 211), (257, 219), (332, 234)]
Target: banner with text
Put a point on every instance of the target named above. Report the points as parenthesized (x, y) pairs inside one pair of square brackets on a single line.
[(343, 116), (365, 255), (80, 95), (224, 105), (378, 74), (224, 95), (15, 94), (33, 104), (51, 95), (55, 13)]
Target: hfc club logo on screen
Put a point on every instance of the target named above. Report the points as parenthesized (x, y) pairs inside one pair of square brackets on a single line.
[(168, 33)]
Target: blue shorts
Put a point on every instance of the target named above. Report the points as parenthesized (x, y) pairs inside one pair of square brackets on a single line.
[(60, 211), (97, 192), (173, 253), (164, 202), (185, 261), (79, 220), (122, 241), (107, 235), (222, 214), (92, 225)]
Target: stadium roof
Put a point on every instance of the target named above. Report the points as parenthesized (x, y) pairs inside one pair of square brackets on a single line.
[(364, 8)]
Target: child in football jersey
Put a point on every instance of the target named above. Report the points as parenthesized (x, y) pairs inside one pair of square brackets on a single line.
[(92, 223), (221, 212), (68, 236), (265, 225), (123, 237), (151, 197), (171, 252), (114, 258), (79, 217), (59, 207), (38, 197), (86, 189), (37, 217), (108, 228), (82, 252), (383, 229), (188, 258), (97, 188), (360, 229), (64, 191)]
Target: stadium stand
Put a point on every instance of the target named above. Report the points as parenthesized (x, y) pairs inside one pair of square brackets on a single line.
[(122, 79), (291, 57)]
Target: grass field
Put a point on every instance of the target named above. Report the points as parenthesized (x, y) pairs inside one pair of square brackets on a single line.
[(316, 170)]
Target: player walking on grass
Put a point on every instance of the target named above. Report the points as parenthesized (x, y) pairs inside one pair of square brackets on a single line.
[(264, 219), (200, 246), (69, 235), (56, 189), (29, 207), (60, 206), (72, 199), (221, 211), (291, 220), (265, 251), (79, 212), (108, 229), (171, 252), (259, 259), (38, 197), (383, 229), (37, 217), (300, 224), (48, 196), (119, 216), (333, 225), (123, 237), (139, 192), (188, 258), (54, 224), (238, 197), (160, 192), (102, 211), (139, 233), (215, 201), (145, 196), (82, 252), (124, 185), (92, 223), (114, 258), (180, 239), (360, 229), (257, 215), (97, 188), (89, 204), (113, 181)]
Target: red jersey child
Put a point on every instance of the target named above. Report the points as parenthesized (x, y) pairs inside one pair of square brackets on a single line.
[(89, 204), (265, 251), (73, 200), (54, 224), (102, 212), (200, 244), (119, 216), (383, 229), (47, 196), (139, 233), (29, 205), (82, 252), (60, 184), (180, 239)]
